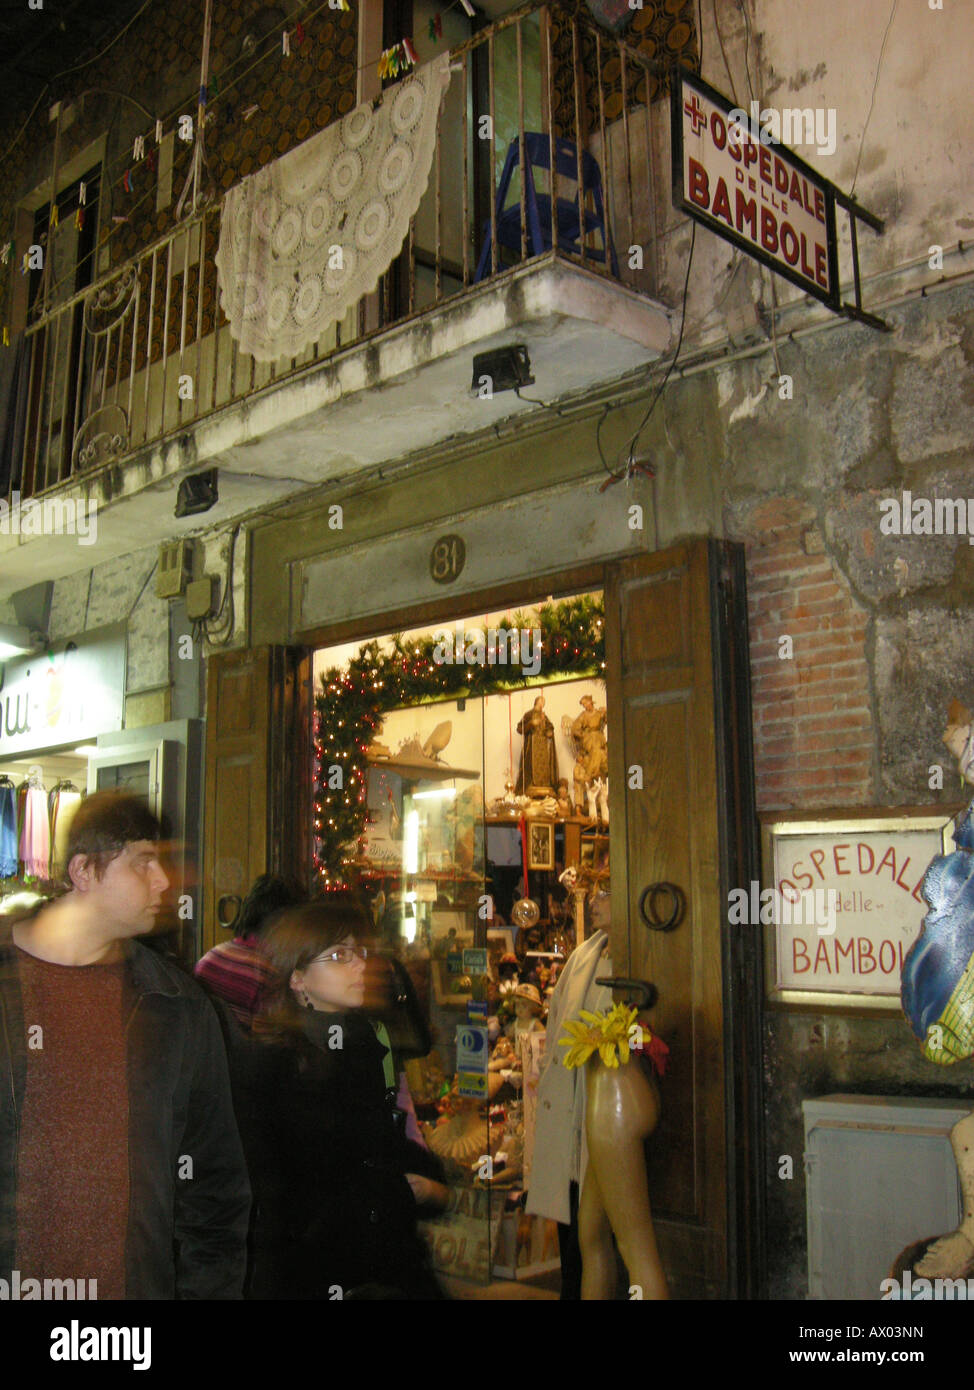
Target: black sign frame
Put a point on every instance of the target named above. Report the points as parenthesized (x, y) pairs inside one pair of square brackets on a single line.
[(832, 297)]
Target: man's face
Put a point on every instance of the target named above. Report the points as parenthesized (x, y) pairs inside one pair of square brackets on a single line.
[(131, 888)]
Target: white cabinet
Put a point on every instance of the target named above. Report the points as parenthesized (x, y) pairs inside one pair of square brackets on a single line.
[(879, 1175)]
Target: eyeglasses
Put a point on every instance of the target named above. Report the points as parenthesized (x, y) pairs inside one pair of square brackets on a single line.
[(344, 955)]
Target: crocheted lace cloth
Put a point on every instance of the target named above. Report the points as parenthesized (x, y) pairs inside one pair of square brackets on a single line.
[(306, 236)]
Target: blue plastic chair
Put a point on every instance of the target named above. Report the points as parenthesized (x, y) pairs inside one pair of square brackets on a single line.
[(537, 152)]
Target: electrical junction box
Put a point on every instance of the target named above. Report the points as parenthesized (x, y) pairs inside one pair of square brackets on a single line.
[(201, 598), (175, 568)]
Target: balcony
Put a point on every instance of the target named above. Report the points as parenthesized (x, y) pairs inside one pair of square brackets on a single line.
[(137, 379)]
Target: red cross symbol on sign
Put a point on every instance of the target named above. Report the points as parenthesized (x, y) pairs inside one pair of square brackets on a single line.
[(695, 111)]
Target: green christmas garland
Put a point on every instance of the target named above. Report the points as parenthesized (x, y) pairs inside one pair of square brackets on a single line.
[(351, 702)]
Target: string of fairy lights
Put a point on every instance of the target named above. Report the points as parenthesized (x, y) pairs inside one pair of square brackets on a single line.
[(352, 700), (124, 174)]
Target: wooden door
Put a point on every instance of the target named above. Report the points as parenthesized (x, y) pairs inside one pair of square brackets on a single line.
[(235, 824), (258, 775), (676, 669)]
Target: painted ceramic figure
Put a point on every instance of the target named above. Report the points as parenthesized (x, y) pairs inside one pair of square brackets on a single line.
[(938, 992)]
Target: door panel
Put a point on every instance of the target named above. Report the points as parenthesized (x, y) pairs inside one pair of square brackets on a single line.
[(665, 685), (235, 834)]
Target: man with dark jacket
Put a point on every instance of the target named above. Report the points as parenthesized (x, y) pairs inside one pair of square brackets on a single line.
[(120, 1160)]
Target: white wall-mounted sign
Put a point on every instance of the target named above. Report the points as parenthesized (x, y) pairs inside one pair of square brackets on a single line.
[(68, 693), (841, 903)]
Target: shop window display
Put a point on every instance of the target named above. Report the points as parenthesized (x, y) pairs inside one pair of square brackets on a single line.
[(479, 837)]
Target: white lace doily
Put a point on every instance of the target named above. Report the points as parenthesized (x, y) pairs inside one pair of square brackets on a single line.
[(306, 236)]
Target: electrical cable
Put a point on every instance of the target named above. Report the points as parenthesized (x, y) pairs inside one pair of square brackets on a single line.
[(723, 50), (872, 99), (220, 636), (673, 360)]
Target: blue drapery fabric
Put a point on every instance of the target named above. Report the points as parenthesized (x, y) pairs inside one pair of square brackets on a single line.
[(8, 832)]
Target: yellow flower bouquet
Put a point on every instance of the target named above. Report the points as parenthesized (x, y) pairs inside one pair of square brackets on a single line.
[(613, 1035)]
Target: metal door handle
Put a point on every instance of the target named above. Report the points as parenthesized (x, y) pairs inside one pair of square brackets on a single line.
[(647, 906), (642, 993), (225, 922)]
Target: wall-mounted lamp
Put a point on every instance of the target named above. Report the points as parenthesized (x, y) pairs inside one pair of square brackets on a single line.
[(501, 369), (197, 493)]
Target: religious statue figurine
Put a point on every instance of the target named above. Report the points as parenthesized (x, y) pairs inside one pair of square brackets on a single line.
[(563, 799), (592, 758), (538, 771), (938, 1000)]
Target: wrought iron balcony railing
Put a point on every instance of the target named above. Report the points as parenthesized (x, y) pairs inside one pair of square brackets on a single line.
[(145, 352)]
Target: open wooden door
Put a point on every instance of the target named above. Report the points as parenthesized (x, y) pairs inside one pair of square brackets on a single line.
[(258, 771), (677, 684)]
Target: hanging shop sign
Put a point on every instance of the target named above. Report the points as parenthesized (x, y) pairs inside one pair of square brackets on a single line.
[(68, 693), (840, 904), (732, 174), (733, 177)]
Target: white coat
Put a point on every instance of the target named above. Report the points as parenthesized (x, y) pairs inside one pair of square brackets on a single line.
[(560, 1150)]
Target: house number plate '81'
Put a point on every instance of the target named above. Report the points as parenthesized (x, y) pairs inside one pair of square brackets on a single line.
[(447, 559)]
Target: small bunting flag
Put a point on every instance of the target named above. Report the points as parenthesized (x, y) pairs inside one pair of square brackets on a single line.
[(409, 50), (82, 193), (436, 27), (5, 253), (54, 215), (299, 33), (79, 219), (286, 44), (127, 180), (6, 336)]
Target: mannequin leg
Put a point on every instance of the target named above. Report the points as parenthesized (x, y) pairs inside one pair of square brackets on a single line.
[(620, 1170), (595, 1242)]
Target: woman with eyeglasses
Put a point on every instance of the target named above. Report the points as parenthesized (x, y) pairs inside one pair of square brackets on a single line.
[(336, 1183)]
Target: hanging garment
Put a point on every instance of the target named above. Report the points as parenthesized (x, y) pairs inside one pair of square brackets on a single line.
[(560, 1146), (35, 835), (305, 237), (64, 803), (8, 832)]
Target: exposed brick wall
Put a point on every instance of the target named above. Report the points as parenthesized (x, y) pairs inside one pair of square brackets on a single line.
[(814, 741)]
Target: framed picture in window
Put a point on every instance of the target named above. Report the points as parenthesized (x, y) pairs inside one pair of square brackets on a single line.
[(541, 844)]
